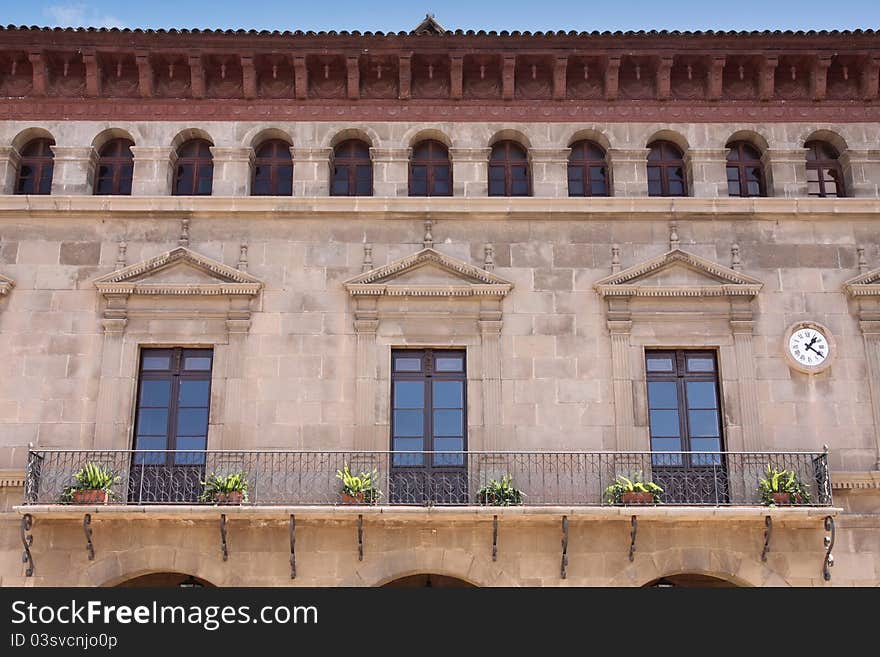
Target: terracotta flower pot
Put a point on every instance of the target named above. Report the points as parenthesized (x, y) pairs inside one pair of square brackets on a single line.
[(231, 498), (781, 499), (356, 499), (92, 496), (634, 497)]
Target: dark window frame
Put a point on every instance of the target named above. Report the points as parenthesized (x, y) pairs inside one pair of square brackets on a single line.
[(349, 157), (743, 161), (500, 159), (37, 155), (117, 158), (671, 158), (268, 163), (581, 165), (822, 164), (437, 158), (199, 163)]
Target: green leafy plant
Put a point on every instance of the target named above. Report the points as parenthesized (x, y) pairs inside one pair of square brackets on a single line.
[(362, 487), (614, 492), (782, 481), (92, 476), (221, 485), (500, 493)]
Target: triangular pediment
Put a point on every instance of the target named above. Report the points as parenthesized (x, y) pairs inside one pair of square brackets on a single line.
[(6, 284), (864, 285), (429, 26), (428, 273), (678, 273), (179, 272)]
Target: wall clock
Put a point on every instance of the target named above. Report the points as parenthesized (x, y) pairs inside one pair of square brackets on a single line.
[(809, 347)]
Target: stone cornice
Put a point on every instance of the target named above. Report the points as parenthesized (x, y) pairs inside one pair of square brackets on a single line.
[(6, 284), (729, 282), (864, 285), (12, 478), (471, 281), (855, 480)]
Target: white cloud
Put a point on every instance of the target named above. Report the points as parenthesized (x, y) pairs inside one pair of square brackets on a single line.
[(80, 15)]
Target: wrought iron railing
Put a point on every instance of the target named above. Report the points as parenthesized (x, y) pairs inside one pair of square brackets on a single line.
[(427, 478)]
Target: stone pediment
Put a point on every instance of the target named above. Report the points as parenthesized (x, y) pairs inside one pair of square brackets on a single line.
[(428, 273), (179, 272), (6, 284), (864, 285), (678, 273)]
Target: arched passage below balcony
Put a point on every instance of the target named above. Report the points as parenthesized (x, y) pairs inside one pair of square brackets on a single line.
[(427, 580)]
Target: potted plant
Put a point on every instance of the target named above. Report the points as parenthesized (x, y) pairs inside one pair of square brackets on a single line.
[(500, 493), (358, 489), (782, 487), (227, 489), (94, 483), (633, 490)]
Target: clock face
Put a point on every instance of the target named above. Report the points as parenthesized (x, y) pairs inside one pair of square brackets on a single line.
[(809, 347)]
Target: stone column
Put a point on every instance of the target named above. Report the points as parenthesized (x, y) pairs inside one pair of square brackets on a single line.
[(470, 171), (750, 414), (365, 325), (9, 163), (152, 171), (620, 327), (629, 175), (390, 171), (789, 169), (549, 171), (109, 423), (311, 171), (74, 170), (490, 334), (861, 172), (707, 172), (233, 169), (871, 336), (231, 413)]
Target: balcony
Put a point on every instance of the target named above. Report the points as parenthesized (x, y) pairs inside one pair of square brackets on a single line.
[(427, 479)]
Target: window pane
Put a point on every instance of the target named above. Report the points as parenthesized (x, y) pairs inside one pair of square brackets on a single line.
[(702, 424), (448, 364), (408, 445), (194, 393), (201, 363), (654, 188), (496, 188), (441, 188), (701, 394), (660, 364), (705, 445), (419, 172), (449, 445), (448, 423), (676, 188), (700, 364), (150, 442), (664, 423), (409, 423), (666, 445), (418, 187), (156, 362), (575, 187), (195, 457), (448, 394), (408, 364), (409, 394), (520, 188), (152, 421), (496, 173), (192, 422), (754, 188), (733, 188), (155, 393), (46, 180), (662, 394)]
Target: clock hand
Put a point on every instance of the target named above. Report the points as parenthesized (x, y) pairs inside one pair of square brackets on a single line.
[(811, 342), (818, 353)]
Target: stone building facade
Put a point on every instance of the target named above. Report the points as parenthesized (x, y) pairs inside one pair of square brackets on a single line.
[(549, 315)]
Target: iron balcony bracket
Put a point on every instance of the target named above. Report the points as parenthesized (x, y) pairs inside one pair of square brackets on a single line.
[(360, 537), (768, 530), (564, 546), (223, 545), (87, 528), (829, 543), (292, 546), (27, 540), (632, 537), (494, 538)]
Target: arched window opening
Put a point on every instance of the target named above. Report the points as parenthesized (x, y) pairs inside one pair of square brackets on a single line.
[(824, 173), (115, 167), (429, 171), (509, 173), (35, 169), (745, 171), (273, 169), (352, 169), (587, 170), (666, 174), (195, 169)]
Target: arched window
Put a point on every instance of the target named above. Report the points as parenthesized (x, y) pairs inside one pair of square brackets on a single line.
[(35, 170), (745, 171), (509, 170), (115, 166), (429, 170), (824, 174), (666, 175), (273, 169), (352, 169), (587, 170), (195, 169)]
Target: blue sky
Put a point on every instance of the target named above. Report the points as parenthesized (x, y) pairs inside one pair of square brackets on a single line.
[(394, 15)]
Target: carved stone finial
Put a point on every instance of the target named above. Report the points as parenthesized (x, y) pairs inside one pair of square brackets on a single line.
[(735, 262), (243, 257), (368, 258), (674, 242), (489, 257), (863, 263), (120, 256), (184, 233), (429, 238), (615, 258)]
